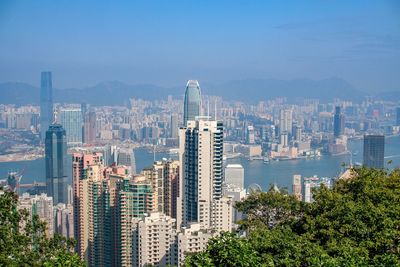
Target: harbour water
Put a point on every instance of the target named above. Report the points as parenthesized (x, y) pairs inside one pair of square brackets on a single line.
[(256, 171)]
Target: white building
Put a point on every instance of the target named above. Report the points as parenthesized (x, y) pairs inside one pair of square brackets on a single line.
[(314, 182), (236, 194), (201, 171), (192, 239), (234, 175), (154, 240)]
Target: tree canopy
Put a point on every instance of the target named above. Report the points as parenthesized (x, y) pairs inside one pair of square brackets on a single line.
[(356, 223), (23, 241)]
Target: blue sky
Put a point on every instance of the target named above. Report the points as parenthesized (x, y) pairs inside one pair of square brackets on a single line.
[(169, 42)]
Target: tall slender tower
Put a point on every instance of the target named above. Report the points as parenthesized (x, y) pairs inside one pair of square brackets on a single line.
[(192, 105), (338, 122), (56, 163), (46, 103), (201, 171)]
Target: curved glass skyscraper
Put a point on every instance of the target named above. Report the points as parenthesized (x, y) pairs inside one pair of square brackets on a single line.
[(192, 105)]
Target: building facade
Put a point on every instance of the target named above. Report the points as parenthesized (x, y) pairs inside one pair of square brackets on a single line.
[(71, 120), (56, 163), (192, 102), (46, 103), (374, 151)]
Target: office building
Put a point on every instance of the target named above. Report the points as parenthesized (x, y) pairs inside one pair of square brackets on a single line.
[(71, 120), (374, 151), (250, 135), (154, 240), (201, 171), (234, 175), (296, 187), (192, 102), (338, 123), (89, 127), (56, 163), (46, 103)]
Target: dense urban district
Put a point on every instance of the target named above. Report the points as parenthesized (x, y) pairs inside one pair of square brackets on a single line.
[(193, 209)]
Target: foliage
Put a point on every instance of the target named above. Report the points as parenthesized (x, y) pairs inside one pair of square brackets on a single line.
[(356, 223), (225, 250), (23, 241)]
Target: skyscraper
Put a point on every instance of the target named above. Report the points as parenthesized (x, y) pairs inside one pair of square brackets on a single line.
[(56, 163), (374, 151), (285, 122), (71, 120), (296, 187), (46, 103), (338, 123), (192, 104), (174, 126), (201, 171), (89, 127)]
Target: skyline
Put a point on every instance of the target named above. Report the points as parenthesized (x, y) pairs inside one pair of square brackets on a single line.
[(168, 43)]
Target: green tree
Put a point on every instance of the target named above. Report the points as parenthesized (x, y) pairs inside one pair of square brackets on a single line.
[(225, 250), (23, 241), (356, 223)]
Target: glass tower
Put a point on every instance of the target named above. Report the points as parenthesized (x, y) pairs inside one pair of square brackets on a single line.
[(374, 151), (56, 163), (71, 120), (192, 105), (338, 122), (46, 103)]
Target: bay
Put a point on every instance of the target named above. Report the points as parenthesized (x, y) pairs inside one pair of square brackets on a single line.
[(256, 171)]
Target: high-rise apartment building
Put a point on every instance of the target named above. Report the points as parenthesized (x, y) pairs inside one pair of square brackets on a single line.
[(374, 151), (80, 182), (201, 171), (64, 220), (154, 240), (234, 175), (338, 122), (56, 163), (89, 127), (71, 120), (192, 239), (192, 104), (164, 175), (46, 103), (135, 198)]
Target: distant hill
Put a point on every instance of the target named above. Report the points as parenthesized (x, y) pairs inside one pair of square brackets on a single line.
[(264, 89), (389, 96), (115, 92)]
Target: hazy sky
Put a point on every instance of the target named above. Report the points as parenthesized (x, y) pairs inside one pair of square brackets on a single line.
[(169, 42)]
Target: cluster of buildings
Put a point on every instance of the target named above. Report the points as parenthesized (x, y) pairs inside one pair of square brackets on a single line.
[(124, 217)]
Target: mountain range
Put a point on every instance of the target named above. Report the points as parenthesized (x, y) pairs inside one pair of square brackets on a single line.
[(251, 90)]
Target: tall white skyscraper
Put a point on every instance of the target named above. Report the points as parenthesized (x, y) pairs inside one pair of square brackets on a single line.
[(285, 121), (201, 171), (71, 120)]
